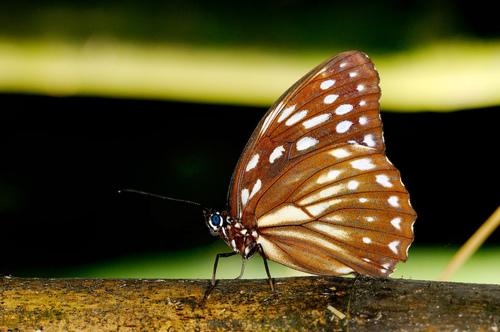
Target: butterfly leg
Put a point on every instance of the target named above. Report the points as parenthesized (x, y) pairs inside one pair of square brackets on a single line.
[(225, 254), (243, 260), (211, 287), (263, 255)]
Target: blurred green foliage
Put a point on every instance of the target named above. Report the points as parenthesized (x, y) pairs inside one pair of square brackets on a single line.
[(248, 52), (424, 263), (296, 25)]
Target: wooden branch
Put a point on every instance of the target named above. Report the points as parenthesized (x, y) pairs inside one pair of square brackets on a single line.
[(304, 304)]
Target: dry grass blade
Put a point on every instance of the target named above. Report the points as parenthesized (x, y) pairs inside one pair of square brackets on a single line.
[(471, 246)]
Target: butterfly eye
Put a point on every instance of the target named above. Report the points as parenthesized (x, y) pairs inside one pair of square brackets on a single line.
[(215, 220)]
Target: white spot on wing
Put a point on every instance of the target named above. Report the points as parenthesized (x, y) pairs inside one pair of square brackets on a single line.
[(244, 196), (325, 193), (363, 120), (277, 153), (340, 153), (343, 270), (362, 103), (396, 222), (343, 109), (286, 113), (383, 180), (353, 74), (326, 84), (331, 230), (330, 176), (393, 201), (256, 188), (316, 120), (352, 185), (363, 200), (253, 162), (360, 87), (334, 218), (319, 208), (363, 164), (305, 143), (367, 240), (343, 126), (394, 246), (296, 118), (270, 118), (288, 213), (369, 141), (343, 64), (330, 99)]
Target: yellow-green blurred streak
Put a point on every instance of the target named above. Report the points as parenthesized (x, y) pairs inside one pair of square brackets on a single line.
[(441, 77), (424, 263)]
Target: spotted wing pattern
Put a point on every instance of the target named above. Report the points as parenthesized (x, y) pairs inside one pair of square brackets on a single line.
[(314, 179)]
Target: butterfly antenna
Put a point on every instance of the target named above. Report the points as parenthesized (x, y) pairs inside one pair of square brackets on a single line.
[(158, 196)]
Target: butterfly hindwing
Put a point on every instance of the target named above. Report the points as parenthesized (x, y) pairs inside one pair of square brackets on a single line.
[(351, 213)]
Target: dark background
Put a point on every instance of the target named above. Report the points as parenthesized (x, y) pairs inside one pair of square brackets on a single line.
[(63, 160)]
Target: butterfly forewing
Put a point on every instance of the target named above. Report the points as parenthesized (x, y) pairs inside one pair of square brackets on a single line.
[(336, 102), (314, 180)]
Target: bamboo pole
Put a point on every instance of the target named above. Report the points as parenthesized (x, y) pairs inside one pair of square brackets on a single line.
[(299, 304)]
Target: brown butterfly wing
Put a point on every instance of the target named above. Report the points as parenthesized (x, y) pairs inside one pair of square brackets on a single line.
[(315, 181)]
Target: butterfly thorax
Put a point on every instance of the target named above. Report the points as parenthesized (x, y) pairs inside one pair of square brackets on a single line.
[(241, 239)]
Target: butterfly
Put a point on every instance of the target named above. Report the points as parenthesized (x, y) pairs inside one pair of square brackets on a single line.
[(313, 188)]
